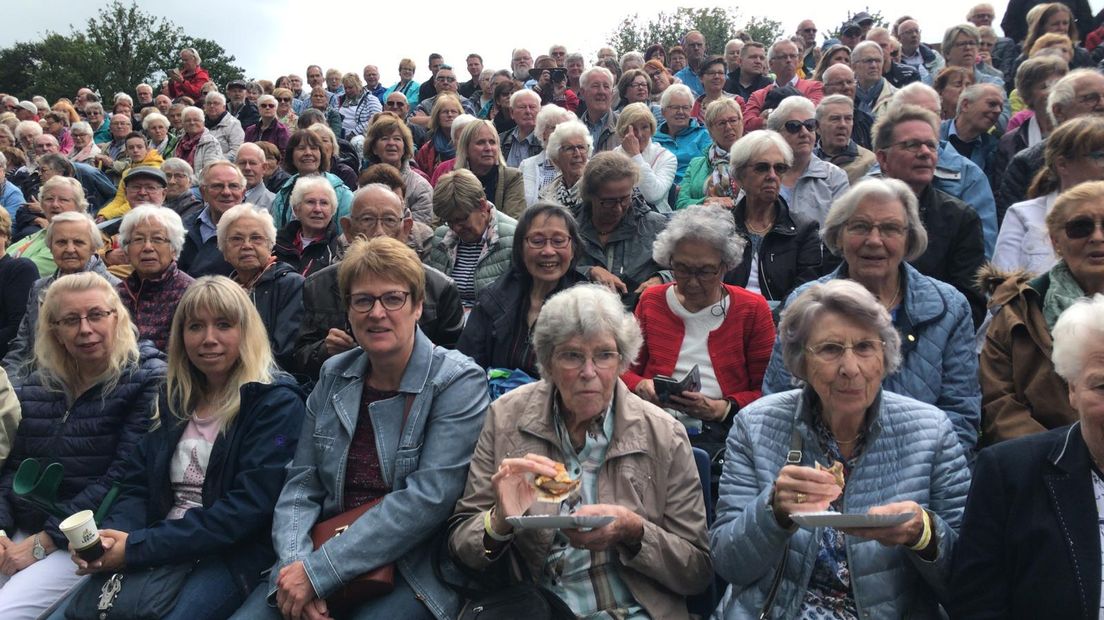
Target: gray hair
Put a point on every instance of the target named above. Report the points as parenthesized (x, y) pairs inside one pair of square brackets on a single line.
[(575, 57), (154, 214), (310, 184), (154, 117), (1036, 71), (81, 128), (789, 106), (194, 54), (631, 56), (881, 189), (973, 92), (910, 94), (573, 128), (1061, 94), (714, 110), (1077, 327), (266, 98), (550, 114), (589, 74), (770, 50), (711, 225), (31, 129), (589, 310), (215, 95), (245, 210), (865, 45), (206, 172), (192, 111), (94, 237), (675, 89), (458, 125), (524, 92), (831, 100), (69, 182), (120, 96), (845, 298), (175, 164), (952, 33), (884, 128), (754, 143)]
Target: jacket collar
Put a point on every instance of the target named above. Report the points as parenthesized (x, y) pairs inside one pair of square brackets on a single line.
[(417, 368), (783, 223), (629, 435)]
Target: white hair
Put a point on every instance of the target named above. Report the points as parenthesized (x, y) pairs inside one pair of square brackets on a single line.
[(1076, 333), (589, 74), (153, 117), (675, 89), (788, 106), (589, 310), (246, 210), (214, 95), (154, 214), (94, 237), (572, 128), (522, 92)]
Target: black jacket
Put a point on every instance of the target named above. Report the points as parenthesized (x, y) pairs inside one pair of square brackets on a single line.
[(1029, 546), (244, 477), (1018, 175), (732, 84), (789, 256), (900, 74), (278, 296), (198, 258), (1009, 145), (1014, 23), (312, 259), (247, 115), (627, 252), (17, 275), (323, 310), (956, 248)]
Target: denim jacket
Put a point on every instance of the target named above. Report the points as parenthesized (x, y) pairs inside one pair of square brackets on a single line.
[(425, 463)]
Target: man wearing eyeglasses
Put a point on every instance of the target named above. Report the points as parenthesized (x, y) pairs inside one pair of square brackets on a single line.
[(839, 79), (324, 332), (783, 57), (445, 82), (397, 104), (807, 30), (894, 72), (694, 44), (872, 91), (917, 54), (222, 186)]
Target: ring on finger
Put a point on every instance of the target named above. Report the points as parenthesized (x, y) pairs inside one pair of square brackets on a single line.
[(800, 497)]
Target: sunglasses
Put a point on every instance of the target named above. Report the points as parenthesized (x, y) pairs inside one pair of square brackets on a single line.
[(795, 126), (763, 168), (1082, 227)]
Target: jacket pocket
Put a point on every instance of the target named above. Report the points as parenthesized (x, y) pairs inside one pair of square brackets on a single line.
[(323, 443)]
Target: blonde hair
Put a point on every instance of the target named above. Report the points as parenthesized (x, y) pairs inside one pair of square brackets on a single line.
[(58, 369), (438, 103), (467, 136), (186, 385), (384, 258)]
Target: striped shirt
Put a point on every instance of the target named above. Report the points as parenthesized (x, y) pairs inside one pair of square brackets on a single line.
[(463, 270)]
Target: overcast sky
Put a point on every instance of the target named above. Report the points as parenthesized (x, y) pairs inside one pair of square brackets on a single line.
[(275, 37)]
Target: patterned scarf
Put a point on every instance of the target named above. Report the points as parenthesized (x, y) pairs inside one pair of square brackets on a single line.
[(185, 149), (568, 196), (719, 182), (1061, 293)]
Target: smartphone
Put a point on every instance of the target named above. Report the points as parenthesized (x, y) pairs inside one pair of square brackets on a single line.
[(666, 386)]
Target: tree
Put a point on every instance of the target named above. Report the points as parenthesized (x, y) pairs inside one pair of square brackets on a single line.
[(716, 24), (54, 67), (215, 61), (763, 30), (131, 45)]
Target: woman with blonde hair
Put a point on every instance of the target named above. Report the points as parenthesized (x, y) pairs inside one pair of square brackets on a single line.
[(202, 486), (87, 404), (479, 151), (439, 147)]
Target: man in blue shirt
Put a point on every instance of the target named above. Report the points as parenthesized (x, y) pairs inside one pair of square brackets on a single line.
[(694, 44)]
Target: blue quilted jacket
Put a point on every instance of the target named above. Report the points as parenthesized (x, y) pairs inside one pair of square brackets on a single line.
[(938, 362), (911, 454)]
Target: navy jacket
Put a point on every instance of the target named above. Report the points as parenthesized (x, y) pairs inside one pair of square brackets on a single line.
[(244, 477), (198, 258), (91, 438), (1029, 546), (278, 297)]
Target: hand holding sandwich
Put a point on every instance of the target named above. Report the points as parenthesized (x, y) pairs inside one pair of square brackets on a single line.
[(514, 488)]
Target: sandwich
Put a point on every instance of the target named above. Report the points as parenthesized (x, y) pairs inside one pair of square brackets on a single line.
[(836, 470), (555, 489)]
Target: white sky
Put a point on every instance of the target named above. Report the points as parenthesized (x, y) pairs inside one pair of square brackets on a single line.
[(276, 37)]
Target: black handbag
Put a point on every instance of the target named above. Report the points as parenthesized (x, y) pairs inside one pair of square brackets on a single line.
[(138, 595)]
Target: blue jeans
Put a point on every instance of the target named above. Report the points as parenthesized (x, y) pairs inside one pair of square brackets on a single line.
[(401, 603), (210, 593)]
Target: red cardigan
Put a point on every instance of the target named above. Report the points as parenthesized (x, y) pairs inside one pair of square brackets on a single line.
[(740, 348)]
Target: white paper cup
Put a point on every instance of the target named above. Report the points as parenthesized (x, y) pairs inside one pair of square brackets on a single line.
[(83, 535)]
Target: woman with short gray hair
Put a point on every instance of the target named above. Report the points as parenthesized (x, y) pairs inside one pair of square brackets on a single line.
[(179, 196), (811, 184), (156, 126), (876, 229), (679, 132), (797, 451), (538, 170), (84, 146), (569, 148), (583, 340)]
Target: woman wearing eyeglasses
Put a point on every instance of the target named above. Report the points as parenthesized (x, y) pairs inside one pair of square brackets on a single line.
[(546, 250), (783, 249), (811, 184), (713, 75), (876, 228), (679, 132), (285, 112), (268, 128), (1021, 392)]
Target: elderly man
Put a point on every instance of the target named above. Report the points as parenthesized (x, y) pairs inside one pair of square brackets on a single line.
[(397, 104), (694, 44), (115, 148), (917, 54), (895, 73), (596, 84), (751, 73), (428, 89), (446, 83), (144, 93), (376, 212), (372, 82), (522, 142), (163, 104), (558, 53), (575, 64), (807, 30), (835, 123), (906, 145), (222, 186), (238, 104), (969, 132), (872, 90), (224, 127), (251, 161), (142, 183), (188, 80), (334, 86), (315, 77), (521, 61), (783, 57)]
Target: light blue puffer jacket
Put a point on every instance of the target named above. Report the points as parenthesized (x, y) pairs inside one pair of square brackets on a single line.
[(911, 454), (938, 362)]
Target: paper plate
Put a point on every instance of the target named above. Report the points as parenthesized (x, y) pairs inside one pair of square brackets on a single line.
[(558, 522), (829, 518)]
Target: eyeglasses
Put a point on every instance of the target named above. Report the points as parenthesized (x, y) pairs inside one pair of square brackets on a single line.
[(728, 122), (679, 108), (142, 241), (863, 229), (391, 300), (221, 187), (267, 105), (388, 221), (1082, 227), (394, 104), (574, 148), (639, 85), (620, 201), (869, 61), (784, 57), (284, 99), (73, 321), (794, 127), (445, 79), (682, 272), (714, 73), (914, 146), (1090, 98), (575, 360), (840, 83), (763, 168), (832, 351), (538, 242), (965, 44), (253, 240)]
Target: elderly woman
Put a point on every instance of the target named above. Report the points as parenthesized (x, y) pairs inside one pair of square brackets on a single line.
[(389, 141), (539, 170), (306, 156), (161, 141), (268, 127), (635, 86), (311, 241), (93, 373), (679, 132), (876, 228), (57, 195), (654, 164), (197, 146), (1021, 394), (577, 416), (389, 430), (178, 193), (320, 100), (201, 487), (699, 322), (152, 237), (811, 184), (949, 83), (406, 84), (473, 246), (783, 249), (17, 276), (246, 236), (1033, 124), (285, 110), (440, 147), (478, 151), (617, 228), (569, 148), (1070, 156), (713, 75), (543, 261), (85, 149), (837, 54), (1031, 517), (356, 107), (895, 456), (707, 179)]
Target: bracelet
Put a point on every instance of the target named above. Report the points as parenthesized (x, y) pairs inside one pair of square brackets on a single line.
[(490, 530), (926, 537)]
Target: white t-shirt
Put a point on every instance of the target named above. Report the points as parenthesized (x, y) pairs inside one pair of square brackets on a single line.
[(188, 469)]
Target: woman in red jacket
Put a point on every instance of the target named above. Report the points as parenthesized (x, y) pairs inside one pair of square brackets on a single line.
[(188, 80), (723, 330)]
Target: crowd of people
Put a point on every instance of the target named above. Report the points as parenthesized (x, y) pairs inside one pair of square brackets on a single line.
[(570, 338)]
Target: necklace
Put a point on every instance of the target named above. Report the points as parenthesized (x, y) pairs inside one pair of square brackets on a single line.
[(758, 231), (893, 302), (847, 443)]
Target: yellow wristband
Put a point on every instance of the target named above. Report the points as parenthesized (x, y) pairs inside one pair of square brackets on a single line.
[(490, 530), (925, 538)]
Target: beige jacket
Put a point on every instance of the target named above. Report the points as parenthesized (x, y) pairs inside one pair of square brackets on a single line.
[(649, 468), (10, 415)]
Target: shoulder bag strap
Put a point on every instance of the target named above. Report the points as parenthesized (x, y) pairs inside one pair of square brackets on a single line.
[(793, 457)]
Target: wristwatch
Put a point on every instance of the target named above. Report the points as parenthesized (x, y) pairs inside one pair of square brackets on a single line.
[(39, 552)]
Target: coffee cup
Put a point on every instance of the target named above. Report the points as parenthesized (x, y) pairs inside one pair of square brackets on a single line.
[(83, 535)]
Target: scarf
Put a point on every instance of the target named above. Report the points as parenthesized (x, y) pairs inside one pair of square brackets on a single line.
[(1061, 293), (719, 182), (248, 286), (185, 149), (568, 196), (442, 143), (211, 123)]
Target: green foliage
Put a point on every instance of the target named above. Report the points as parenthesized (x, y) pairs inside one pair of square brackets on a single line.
[(215, 61), (716, 24), (763, 30)]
